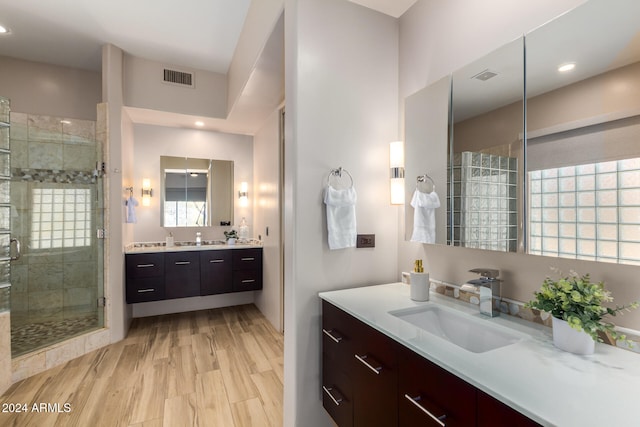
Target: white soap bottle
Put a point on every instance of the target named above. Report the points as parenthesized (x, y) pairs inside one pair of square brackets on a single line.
[(243, 229), (419, 282)]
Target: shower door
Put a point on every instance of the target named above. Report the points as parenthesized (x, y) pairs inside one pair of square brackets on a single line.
[(56, 209)]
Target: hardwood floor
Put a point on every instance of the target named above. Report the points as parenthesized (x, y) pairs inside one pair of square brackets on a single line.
[(220, 367)]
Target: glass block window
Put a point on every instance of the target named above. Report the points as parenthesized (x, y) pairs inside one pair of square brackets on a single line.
[(484, 201), (61, 218), (587, 212)]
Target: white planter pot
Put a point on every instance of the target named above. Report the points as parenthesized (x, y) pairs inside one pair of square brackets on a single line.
[(568, 339), (231, 241)]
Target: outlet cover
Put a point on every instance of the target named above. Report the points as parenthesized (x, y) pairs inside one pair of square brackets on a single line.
[(366, 241)]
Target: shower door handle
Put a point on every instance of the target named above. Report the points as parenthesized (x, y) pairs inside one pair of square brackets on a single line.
[(18, 253)]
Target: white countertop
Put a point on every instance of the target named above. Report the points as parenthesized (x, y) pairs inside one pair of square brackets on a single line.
[(550, 386), (154, 247)]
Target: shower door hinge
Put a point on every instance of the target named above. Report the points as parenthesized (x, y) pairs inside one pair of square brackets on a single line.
[(102, 302), (100, 232), (100, 170)]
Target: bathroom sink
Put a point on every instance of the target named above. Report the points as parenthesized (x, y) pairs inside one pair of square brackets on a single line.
[(474, 335)]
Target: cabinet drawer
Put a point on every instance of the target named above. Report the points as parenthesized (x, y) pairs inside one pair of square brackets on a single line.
[(337, 335), (337, 395), (244, 259), (144, 265), (145, 289), (425, 388), (247, 280), (492, 412)]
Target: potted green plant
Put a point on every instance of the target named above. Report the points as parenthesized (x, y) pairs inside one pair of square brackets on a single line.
[(575, 302), (231, 236)]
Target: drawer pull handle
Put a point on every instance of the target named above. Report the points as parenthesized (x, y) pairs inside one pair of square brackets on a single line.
[(145, 265), (216, 260), (183, 262), (328, 390), (415, 401), (330, 333), (141, 291), (364, 358), (247, 259), (249, 281)]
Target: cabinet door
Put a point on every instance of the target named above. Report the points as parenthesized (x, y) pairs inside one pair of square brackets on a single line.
[(431, 396), (215, 272), (182, 274), (375, 378), (492, 412)]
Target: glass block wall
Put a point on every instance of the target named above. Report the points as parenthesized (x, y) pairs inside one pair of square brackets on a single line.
[(587, 212), (484, 201)]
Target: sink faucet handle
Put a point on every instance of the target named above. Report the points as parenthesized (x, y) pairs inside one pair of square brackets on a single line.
[(487, 273)]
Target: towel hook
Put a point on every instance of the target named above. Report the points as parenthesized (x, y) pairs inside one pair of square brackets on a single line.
[(338, 172), (130, 190)]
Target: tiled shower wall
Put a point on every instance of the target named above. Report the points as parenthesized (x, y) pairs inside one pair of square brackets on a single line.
[(52, 159), (484, 201)]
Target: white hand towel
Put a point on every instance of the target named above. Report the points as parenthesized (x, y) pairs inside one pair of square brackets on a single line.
[(131, 203), (424, 217), (341, 217)]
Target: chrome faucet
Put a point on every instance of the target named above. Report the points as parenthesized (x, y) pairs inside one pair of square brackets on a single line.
[(489, 286)]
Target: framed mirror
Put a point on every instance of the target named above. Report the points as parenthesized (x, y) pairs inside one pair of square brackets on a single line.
[(583, 134), (486, 154), (196, 192)]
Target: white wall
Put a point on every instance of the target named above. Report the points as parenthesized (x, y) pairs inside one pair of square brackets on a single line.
[(151, 142), (438, 37), (144, 87), (341, 86), (38, 88), (266, 184)]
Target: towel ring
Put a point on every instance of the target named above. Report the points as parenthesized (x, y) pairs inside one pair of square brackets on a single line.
[(423, 179), (338, 173), (130, 190)]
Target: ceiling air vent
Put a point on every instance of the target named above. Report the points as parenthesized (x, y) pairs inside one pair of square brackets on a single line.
[(180, 78), (485, 75)]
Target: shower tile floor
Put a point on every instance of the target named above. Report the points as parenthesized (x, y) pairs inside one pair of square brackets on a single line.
[(34, 336)]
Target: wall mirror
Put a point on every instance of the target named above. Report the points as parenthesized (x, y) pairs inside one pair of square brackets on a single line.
[(196, 192), (486, 151), (583, 134), (426, 153)]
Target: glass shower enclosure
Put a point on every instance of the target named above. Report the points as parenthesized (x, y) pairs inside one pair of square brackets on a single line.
[(56, 207)]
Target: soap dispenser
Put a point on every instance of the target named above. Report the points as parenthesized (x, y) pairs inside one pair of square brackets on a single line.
[(419, 282), (243, 229)]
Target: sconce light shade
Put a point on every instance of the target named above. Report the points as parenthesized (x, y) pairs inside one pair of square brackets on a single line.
[(396, 172), (147, 192), (243, 194)]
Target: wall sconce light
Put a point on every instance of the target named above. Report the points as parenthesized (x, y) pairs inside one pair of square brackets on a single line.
[(396, 172), (243, 194), (147, 192)]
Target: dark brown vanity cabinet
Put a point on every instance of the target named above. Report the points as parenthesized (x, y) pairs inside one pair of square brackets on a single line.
[(182, 274), (215, 272), (168, 275), (429, 395), (145, 277), (368, 379), (359, 378), (247, 269)]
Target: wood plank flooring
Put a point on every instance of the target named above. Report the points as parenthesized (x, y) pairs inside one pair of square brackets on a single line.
[(220, 367)]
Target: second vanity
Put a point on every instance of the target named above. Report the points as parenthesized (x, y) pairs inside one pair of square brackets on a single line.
[(156, 272), (381, 368)]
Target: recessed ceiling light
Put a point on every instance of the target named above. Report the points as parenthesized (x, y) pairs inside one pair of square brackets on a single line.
[(4, 30), (199, 123), (567, 67)]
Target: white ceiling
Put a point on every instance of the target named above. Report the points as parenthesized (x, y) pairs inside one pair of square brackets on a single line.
[(199, 34)]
